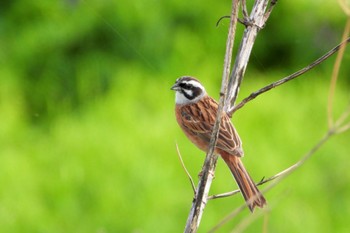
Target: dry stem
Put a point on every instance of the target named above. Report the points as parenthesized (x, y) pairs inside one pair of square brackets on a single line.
[(335, 74), (185, 169), (288, 78), (286, 171), (254, 23), (208, 170)]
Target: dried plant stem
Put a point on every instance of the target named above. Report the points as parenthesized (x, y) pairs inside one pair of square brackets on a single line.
[(340, 126), (335, 74), (345, 6), (288, 78), (266, 222), (251, 218), (185, 169), (208, 170), (247, 221), (256, 21), (228, 218), (269, 10), (288, 170)]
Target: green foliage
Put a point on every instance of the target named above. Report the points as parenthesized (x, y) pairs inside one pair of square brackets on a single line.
[(87, 130)]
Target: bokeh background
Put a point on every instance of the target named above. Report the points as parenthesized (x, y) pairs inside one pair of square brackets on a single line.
[(87, 129)]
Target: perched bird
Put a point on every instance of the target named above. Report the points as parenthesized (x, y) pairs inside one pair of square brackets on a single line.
[(196, 113)]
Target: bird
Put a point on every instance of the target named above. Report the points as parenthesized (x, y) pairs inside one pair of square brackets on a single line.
[(195, 113)]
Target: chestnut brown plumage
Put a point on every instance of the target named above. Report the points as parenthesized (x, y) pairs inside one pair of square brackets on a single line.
[(196, 112)]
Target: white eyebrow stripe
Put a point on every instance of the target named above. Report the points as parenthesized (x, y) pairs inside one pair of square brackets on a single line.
[(194, 83)]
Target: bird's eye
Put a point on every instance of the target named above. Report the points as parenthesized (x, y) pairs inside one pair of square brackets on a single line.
[(185, 86)]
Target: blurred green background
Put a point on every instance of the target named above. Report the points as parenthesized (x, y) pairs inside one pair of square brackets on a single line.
[(88, 133)]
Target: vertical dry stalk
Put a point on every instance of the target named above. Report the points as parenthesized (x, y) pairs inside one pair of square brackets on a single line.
[(335, 72), (255, 22), (200, 199)]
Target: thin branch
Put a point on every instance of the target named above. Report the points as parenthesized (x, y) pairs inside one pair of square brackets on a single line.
[(288, 170), (200, 199), (335, 74), (227, 194), (342, 117), (343, 128), (256, 22), (286, 79), (266, 222), (345, 6), (279, 176), (269, 10), (228, 218), (244, 223), (339, 125), (221, 18), (244, 10), (295, 166), (185, 169)]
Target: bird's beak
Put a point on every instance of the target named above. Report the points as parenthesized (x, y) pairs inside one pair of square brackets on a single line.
[(175, 87)]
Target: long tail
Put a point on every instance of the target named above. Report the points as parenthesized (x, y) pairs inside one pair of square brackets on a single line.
[(250, 192)]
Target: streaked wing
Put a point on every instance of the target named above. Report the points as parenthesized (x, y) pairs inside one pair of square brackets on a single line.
[(199, 118), (229, 140)]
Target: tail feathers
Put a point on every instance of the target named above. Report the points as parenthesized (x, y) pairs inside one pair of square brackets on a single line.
[(250, 192)]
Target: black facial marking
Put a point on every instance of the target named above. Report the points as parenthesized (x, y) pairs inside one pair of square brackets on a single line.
[(194, 91), (197, 92), (185, 86)]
